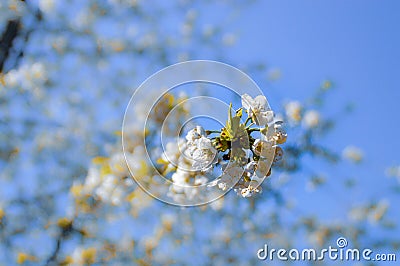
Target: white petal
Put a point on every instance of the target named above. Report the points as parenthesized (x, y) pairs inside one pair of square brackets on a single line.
[(247, 101), (264, 118), (261, 101)]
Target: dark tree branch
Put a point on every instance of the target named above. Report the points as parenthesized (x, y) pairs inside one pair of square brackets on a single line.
[(6, 42)]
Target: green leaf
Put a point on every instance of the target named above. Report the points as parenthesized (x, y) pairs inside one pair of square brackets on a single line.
[(234, 128), (234, 131), (228, 126)]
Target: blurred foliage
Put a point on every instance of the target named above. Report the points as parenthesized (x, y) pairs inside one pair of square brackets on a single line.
[(67, 70)]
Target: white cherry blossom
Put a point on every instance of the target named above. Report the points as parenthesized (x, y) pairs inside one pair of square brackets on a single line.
[(263, 148), (200, 149), (230, 176), (257, 109)]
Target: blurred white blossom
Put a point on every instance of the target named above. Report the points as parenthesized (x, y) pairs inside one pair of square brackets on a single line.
[(393, 171), (353, 153), (293, 111), (311, 119)]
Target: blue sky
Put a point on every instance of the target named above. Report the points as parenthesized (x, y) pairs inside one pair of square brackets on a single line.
[(356, 44)]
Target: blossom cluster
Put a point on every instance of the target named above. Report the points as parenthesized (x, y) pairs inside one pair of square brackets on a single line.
[(242, 152)]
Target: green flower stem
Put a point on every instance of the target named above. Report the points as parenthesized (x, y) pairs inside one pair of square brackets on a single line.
[(247, 120), (208, 132), (253, 129), (248, 127)]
